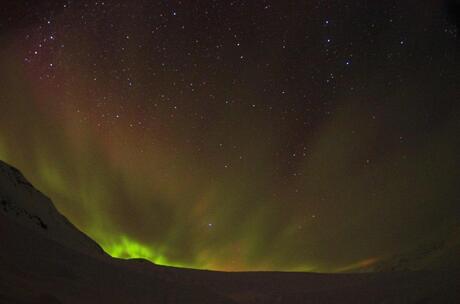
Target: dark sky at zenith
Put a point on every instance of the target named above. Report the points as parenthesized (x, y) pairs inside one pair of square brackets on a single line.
[(238, 135)]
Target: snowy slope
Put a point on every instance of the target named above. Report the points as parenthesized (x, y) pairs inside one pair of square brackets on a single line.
[(439, 251), (27, 206)]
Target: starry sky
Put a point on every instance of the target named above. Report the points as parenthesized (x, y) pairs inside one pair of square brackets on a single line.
[(238, 135)]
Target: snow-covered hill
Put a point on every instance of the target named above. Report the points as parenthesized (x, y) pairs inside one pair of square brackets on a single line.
[(437, 252), (27, 206)]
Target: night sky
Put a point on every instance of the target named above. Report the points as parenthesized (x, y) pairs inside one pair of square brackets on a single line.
[(238, 135)]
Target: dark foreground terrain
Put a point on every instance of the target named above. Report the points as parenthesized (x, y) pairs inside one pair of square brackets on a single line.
[(45, 259)]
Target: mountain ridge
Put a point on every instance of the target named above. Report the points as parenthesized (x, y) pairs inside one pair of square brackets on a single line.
[(16, 195)]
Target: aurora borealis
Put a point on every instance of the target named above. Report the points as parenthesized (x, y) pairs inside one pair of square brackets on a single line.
[(237, 135)]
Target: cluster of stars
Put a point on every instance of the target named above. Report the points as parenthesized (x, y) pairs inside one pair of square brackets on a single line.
[(243, 91)]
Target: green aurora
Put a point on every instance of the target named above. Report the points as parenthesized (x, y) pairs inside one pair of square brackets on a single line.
[(362, 187)]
